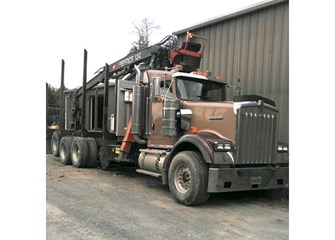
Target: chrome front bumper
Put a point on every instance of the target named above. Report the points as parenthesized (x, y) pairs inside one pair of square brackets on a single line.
[(242, 179)]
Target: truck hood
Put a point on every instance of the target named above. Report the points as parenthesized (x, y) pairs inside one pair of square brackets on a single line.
[(213, 117)]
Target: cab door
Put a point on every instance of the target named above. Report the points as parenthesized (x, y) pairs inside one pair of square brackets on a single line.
[(156, 138)]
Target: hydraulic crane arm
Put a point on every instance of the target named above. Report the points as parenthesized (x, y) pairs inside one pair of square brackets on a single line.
[(123, 66), (159, 56)]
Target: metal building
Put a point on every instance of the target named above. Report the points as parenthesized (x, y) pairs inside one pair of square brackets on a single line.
[(251, 45)]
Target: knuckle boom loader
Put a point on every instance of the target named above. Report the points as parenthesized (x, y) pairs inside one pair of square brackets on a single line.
[(152, 109)]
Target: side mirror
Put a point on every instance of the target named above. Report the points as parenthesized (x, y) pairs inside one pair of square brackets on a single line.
[(156, 86), (185, 117)]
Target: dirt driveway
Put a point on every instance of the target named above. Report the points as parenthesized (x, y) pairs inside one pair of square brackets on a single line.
[(122, 204)]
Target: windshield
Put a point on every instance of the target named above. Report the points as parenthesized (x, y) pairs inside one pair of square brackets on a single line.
[(200, 90)]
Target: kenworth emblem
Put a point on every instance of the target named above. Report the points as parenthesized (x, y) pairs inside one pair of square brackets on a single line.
[(216, 118)]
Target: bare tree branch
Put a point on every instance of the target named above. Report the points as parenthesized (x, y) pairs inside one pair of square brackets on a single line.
[(143, 31)]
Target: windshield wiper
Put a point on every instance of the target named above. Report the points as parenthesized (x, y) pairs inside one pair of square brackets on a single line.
[(205, 98)]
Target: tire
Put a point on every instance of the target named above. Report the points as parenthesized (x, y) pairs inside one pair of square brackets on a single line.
[(65, 150), (92, 152), (79, 152), (188, 178), (55, 143)]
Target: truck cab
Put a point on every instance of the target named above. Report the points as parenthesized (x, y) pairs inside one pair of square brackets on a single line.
[(234, 142)]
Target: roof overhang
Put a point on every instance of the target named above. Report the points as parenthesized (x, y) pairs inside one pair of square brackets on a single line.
[(249, 9)]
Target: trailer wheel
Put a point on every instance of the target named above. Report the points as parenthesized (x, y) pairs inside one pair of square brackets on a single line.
[(79, 152), (55, 143), (92, 152), (65, 150), (188, 178)]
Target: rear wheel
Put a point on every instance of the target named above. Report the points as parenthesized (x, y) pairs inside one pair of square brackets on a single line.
[(65, 150), (92, 152), (188, 178), (55, 143), (79, 152)]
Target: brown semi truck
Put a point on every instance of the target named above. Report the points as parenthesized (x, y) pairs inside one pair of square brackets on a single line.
[(154, 110)]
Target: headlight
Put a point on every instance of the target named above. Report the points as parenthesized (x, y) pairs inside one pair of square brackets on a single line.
[(282, 148), (222, 146)]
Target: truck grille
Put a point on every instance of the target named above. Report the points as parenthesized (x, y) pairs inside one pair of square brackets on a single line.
[(256, 134)]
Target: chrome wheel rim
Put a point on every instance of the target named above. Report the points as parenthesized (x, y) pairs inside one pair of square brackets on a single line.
[(183, 178), (62, 151), (75, 154), (54, 146)]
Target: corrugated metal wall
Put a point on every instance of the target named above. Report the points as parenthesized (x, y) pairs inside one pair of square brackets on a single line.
[(252, 46)]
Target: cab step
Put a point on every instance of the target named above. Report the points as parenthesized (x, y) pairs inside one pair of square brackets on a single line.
[(153, 174)]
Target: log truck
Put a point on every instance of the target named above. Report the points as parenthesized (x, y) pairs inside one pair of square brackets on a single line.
[(153, 109)]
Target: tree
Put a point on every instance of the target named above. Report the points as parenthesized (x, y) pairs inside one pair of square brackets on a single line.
[(143, 31), (53, 95), (52, 105)]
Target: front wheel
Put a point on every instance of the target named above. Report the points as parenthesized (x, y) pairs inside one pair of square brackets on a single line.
[(188, 178)]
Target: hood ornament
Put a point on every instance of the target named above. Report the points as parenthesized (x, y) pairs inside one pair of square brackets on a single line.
[(260, 104)]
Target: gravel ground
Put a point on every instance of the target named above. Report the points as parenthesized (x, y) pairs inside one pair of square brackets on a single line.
[(122, 204)]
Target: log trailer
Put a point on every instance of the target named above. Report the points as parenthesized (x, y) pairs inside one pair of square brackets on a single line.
[(154, 110)]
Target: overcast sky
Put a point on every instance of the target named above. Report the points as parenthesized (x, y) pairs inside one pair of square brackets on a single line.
[(55, 30)]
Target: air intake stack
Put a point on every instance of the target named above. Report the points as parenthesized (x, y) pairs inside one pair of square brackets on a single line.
[(140, 94)]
